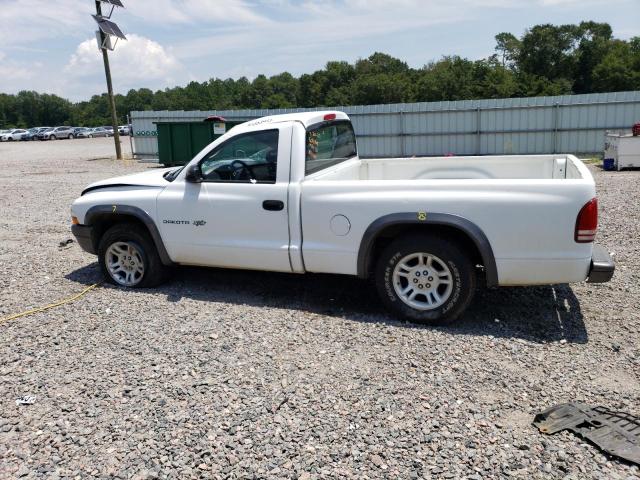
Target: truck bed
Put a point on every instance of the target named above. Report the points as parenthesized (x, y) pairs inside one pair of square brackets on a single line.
[(526, 206), (447, 168)]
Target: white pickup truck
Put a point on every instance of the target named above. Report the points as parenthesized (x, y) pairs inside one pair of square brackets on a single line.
[(289, 193)]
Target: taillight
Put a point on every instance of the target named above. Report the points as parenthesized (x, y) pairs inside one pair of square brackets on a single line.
[(587, 222), (330, 116)]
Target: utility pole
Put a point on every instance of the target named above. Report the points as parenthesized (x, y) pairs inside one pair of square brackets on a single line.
[(112, 101)]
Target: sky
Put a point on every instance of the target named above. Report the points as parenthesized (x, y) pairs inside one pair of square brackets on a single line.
[(50, 46)]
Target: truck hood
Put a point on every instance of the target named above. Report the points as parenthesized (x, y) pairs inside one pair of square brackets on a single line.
[(150, 178)]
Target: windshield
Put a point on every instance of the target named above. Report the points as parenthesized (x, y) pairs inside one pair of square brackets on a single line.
[(329, 144)]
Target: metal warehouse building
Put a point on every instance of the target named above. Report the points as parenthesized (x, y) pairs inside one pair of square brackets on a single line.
[(567, 124)]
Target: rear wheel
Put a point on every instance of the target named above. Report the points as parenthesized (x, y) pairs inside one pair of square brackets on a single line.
[(70, 136), (129, 258), (425, 279)]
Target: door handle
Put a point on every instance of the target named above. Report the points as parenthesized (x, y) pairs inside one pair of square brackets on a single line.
[(273, 205)]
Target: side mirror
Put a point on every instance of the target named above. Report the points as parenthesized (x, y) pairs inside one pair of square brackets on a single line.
[(194, 174)]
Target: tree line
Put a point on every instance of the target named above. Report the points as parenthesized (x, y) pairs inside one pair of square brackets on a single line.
[(545, 60)]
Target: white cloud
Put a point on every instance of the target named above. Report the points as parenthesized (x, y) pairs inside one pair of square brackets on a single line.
[(135, 63), (138, 58), (195, 11), (25, 21), (567, 3), (313, 25), (16, 71)]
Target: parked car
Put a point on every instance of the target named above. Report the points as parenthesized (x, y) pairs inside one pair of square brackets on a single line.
[(56, 133), (124, 129), (62, 132), (98, 132), (29, 134), (13, 135), (32, 133), (81, 132), (109, 130), (43, 134), (426, 230)]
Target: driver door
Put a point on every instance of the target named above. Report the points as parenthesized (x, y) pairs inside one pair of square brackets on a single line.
[(237, 217)]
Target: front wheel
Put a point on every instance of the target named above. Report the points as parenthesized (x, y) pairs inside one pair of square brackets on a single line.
[(128, 257), (425, 279)]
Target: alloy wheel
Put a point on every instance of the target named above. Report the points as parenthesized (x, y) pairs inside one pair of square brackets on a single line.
[(422, 281), (125, 263)]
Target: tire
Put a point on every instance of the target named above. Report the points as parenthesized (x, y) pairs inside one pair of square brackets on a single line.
[(90, 136), (70, 136), (143, 253), (443, 294), (52, 137)]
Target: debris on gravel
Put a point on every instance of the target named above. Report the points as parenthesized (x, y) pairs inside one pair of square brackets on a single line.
[(237, 374)]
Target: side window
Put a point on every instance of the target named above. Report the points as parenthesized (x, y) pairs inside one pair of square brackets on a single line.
[(329, 144), (250, 157)]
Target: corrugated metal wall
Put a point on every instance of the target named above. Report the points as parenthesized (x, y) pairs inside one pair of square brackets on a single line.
[(563, 124)]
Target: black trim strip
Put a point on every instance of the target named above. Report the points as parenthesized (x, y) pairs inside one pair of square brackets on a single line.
[(411, 218), (112, 185), (105, 210), (602, 266), (84, 237)]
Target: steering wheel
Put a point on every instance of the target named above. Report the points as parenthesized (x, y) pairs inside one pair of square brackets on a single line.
[(244, 172)]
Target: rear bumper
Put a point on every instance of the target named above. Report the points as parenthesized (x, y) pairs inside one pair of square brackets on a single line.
[(602, 266), (84, 237)]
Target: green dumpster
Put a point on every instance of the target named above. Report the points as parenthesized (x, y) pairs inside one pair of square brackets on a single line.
[(179, 142)]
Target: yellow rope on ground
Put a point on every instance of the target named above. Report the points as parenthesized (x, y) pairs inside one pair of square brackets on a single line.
[(53, 305)]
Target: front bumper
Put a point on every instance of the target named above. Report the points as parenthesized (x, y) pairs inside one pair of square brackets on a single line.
[(84, 237), (602, 266)]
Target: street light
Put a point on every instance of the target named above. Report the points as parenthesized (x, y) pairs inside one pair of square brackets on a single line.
[(106, 31)]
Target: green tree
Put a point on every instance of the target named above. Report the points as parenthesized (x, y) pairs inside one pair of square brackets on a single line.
[(594, 41), (508, 46), (619, 69), (547, 51), (451, 78), (381, 88)]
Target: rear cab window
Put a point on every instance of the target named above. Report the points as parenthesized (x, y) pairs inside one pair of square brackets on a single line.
[(328, 144)]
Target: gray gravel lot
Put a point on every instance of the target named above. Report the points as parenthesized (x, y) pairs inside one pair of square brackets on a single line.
[(232, 374)]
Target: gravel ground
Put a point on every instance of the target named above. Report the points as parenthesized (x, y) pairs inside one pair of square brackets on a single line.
[(230, 374)]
